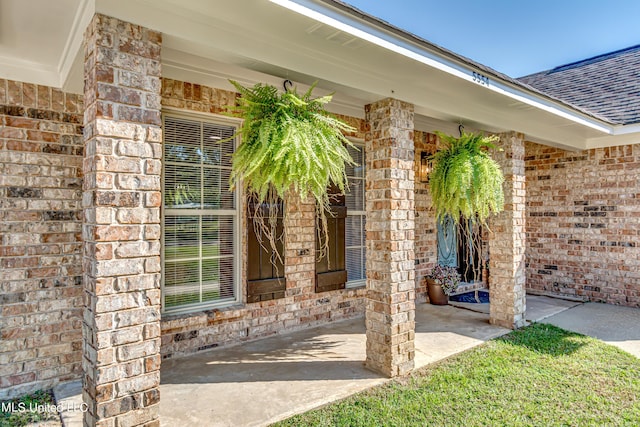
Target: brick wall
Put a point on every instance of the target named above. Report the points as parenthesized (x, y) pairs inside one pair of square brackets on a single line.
[(426, 231), (583, 216), (40, 245), (301, 307)]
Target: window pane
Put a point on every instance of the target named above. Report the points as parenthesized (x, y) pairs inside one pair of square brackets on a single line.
[(227, 278), (181, 283), (181, 237), (182, 187), (355, 196), (358, 157), (216, 189), (217, 279), (354, 230), (210, 279), (217, 235), (355, 269), (216, 152), (182, 141)]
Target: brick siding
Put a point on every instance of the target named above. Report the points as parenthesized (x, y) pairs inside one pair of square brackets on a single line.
[(40, 243), (426, 230), (583, 211)]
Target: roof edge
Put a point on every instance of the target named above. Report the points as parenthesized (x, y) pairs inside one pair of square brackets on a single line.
[(388, 36), (586, 61)]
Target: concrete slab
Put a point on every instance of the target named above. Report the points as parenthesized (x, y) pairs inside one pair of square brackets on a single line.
[(69, 398), (267, 380), (445, 330), (538, 307), (541, 307), (615, 325), (260, 382)]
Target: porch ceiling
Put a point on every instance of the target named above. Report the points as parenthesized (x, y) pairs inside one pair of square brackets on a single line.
[(209, 42)]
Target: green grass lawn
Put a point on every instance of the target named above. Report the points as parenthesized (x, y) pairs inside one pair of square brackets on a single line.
[(33, 408), (537, 376)]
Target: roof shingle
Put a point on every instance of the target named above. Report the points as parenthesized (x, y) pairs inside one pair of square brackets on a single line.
[(606, 85)]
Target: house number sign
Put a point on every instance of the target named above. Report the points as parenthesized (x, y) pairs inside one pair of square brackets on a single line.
[(479, 78)]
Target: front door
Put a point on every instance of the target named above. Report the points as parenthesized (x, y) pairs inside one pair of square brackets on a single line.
[(447, 243), (461, 251)]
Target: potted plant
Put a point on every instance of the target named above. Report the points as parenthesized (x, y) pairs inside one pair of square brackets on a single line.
[(441, 282)]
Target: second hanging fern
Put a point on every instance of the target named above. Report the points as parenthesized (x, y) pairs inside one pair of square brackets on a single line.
[(466, 183)]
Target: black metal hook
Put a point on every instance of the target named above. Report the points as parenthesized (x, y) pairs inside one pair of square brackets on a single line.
[(286, 83), (460, 129)]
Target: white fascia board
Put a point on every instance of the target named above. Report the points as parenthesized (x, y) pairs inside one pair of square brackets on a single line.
[(372, 34), (626, 129)]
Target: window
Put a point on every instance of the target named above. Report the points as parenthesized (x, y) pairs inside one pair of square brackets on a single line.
[(200, 220), (356, 220)]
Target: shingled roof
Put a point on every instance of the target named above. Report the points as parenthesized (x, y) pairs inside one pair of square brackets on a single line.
[(606, 85)]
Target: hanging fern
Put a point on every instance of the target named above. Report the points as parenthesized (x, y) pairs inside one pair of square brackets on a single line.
[(466, 183), (289, 143)]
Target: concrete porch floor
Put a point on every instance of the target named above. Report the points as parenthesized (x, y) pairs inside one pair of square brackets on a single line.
[(263, 381)]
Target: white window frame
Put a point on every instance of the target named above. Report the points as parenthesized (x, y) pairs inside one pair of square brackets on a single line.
[(236, 213), (360, 282)]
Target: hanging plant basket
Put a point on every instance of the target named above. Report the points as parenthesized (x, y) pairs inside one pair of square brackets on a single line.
[(466, 183), (289, 143)]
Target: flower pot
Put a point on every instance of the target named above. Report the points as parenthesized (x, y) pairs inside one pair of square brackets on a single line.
[(436, 294)]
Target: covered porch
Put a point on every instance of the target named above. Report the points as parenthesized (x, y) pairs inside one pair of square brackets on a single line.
[(267, 380), (263, 381), (141, 63)]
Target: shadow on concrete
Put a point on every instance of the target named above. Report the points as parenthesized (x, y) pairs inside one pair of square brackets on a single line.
[(615, 325)]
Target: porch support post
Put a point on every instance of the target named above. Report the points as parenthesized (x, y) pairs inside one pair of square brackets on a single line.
[(507, 238), (121, 226), (390, 305)]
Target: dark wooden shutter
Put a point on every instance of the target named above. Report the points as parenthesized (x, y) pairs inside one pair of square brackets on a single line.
[(331, 271), (265, 271)]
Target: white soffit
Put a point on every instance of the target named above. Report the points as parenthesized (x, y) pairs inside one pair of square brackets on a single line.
[(40, 39), (276, 40), (305, 41)]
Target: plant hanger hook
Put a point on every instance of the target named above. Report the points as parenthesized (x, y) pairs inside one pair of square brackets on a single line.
[(287, 84)]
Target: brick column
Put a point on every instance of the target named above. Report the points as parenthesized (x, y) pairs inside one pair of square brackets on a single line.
[(121, 229), (299, 252), (507, 238), (390, 306)]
